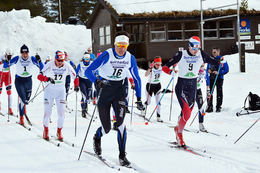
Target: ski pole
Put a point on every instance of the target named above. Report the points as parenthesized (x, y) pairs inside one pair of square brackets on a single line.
[(146, 123), (171, 102), (133, 94), (209, 95), (148, 95), (9, 97), (247, 130), (76, 114), (37, 90), (38, 93), (89, 124)]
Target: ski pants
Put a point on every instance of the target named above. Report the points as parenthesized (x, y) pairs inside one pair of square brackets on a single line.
[(154, 89), (199, 101), (85, 86), (59, 95), (23, 87), (5, 77), (113, 95), (219, 87), (186, 93), (67, 85)]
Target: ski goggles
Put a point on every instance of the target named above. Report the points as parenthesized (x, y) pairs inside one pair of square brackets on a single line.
[(121, 45), (194, 45)]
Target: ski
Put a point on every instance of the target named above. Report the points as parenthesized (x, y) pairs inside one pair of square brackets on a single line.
[(56, 143), (64, 141), (247, 113), (28, 120), (142, 116), (197, 131), (104, 161), (23, 125), (2, 114), (189, 149)]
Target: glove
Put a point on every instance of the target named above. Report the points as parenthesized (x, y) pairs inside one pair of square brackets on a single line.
[(8, 57), (38, 58), (139, 104), (132, 83), (101, 83), (76, 88), (151, 65), (51, 80)]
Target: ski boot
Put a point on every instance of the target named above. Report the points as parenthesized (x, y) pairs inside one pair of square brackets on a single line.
[(84, 112), (127, 110), (21, 120), (59, 135), (123, 160), (159, 118), (209, 109), (10, 111), (218, 109), (46, 133), (179, 138), (202, 128), (97, 145)]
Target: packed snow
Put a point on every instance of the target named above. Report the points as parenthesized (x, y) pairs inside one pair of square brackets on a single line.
[(148, 147), (149, 6)]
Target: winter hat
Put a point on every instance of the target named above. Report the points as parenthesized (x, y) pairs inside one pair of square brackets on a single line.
[(59, 55), (24, 48), (194, 42)]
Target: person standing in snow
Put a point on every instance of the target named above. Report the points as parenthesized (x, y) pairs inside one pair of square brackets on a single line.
[(189, 62), (23, 77), (85, 84), (153, 85), (54, 74), (199, 97), (113, 65), (212, 71), (67, 83), (5, 77)]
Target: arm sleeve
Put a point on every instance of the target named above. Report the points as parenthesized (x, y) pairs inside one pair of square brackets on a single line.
[(207, 75), (102, 59), (12, 62), (42, 78), (137, 80), (174, 60), (208, 59), (38, 64), (77, 70), (225, 69)]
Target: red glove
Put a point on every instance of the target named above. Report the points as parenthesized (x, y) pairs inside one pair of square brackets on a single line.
[(132, 83), (76, 82), (151, 65)]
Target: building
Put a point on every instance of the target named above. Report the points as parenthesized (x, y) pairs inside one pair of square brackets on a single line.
[(165, 32)]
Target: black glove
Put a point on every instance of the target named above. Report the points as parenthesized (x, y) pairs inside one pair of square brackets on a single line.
[(167, 91), (38, 58), (101, 83), (8, 57), (139, 104), (76, 88), (51, 80)]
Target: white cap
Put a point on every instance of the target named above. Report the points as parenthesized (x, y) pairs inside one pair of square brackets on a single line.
[(8, 51), (121, 38)]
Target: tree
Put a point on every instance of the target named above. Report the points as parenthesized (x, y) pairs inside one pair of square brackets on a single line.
[(244, 5)]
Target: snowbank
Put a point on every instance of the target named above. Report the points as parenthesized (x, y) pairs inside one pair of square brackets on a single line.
[(18, 28)]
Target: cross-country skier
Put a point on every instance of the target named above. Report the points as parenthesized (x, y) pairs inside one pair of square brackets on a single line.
[(23, 77), (85, 84), (113, 65), (189, 62), (5, 77), (54, 74), (153, 85)]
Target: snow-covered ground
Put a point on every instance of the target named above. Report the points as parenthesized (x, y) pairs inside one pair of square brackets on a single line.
[(22, 151)]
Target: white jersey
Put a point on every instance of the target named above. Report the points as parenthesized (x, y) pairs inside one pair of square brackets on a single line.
[(24, 68), (82, 70), (156, 74), (189, 65), (58, 74), (115, 69), (2, 58)]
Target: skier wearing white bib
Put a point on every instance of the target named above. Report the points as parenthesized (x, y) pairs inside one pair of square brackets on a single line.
[(189, 62), (54, 73), (112, 66), (23, 77)]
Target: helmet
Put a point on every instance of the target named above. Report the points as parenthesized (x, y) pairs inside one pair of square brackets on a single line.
[(24, 48), (86, 57), (59, 56), (194, 42)]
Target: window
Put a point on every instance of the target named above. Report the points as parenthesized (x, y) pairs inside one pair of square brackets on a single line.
[(210, 29), (158, 32), (226, 29), (136, 31), (174, 31), (104, 35), (191, 29)]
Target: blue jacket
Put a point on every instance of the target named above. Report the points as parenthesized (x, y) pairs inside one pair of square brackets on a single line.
[(223, 70)]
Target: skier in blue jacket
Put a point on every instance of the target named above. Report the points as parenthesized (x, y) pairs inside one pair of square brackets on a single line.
[(212, 71)]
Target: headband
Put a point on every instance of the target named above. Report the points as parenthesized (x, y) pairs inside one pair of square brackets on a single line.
[(121, 38)]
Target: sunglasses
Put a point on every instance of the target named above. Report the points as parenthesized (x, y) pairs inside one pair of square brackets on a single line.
[(24, 52), (214, 52), (195, 48), (121, 45), (60, 60)]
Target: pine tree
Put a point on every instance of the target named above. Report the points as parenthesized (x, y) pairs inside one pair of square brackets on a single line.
[(244, 5)]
